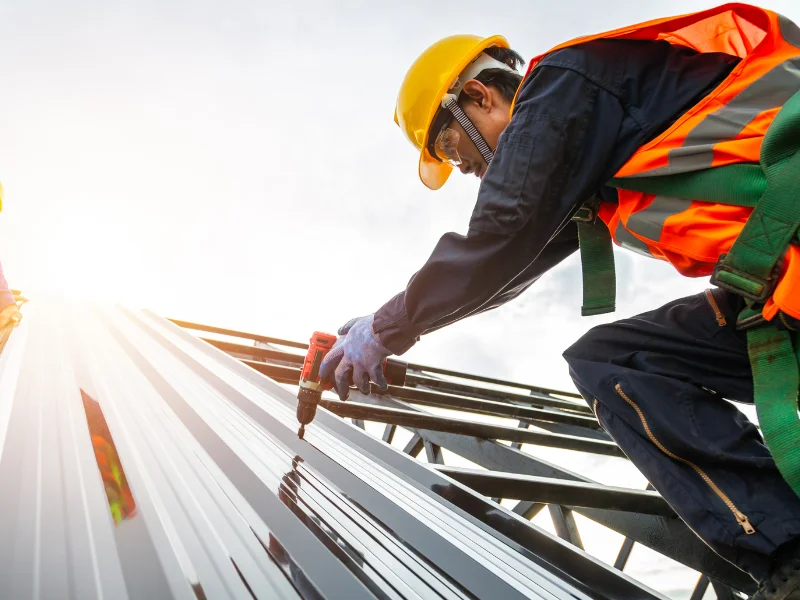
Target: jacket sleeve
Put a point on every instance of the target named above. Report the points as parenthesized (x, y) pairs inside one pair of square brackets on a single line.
[(551, 158)]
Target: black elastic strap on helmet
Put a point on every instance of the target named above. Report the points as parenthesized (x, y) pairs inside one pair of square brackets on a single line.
[(452, 105)]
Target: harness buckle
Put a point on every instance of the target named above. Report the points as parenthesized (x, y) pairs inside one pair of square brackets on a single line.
[(755, 289), (586, 214), (751, 322)]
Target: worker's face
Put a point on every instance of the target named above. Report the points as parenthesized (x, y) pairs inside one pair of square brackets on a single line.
[(489, 112)]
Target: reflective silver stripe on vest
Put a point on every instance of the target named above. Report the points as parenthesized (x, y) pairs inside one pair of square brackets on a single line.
[(649, 222), (789, 31), (771, 90), (627, 240)]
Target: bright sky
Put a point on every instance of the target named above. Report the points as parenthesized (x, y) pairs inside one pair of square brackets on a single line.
[(237, 163)]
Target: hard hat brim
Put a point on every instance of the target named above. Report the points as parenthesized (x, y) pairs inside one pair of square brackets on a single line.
[(433, 173)]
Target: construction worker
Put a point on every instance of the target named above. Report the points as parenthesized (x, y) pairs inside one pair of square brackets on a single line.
[(661, 137)]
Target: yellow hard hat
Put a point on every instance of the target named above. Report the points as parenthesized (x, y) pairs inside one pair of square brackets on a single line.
[(425, 85)]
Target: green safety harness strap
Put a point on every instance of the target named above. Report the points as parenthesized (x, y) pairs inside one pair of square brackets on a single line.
[(775, 385), (740, 184), (597, 262)]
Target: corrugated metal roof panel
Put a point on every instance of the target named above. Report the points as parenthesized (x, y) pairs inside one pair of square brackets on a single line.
[(140, 462)]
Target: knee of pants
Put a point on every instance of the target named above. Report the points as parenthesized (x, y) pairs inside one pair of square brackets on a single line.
[(595, 346), (583, 356), (601, 355)]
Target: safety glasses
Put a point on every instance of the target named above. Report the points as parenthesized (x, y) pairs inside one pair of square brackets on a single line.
[(446, 146)]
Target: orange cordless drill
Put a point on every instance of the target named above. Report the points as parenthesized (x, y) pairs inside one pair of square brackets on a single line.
[(311, 387)]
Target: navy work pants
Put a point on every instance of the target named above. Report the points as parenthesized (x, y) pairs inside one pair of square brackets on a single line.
[(657, 383)]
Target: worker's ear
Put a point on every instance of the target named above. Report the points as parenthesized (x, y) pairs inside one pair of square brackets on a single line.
[(479, 94)]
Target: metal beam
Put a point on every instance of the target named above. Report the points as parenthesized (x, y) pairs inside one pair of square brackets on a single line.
[(279, 374), (239, 334), (592, 434), (722, 591), (700, 589), (522, 425), (493, 407), (624, 554), (388, 433), (528, 510), (492, 380), (627, 544), (559, 491), (411, 418), (565, 525), (265, 354), (482, 392), (414, 446), (433, 454)]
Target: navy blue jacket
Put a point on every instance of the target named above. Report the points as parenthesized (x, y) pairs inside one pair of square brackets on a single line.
[(579, 117)]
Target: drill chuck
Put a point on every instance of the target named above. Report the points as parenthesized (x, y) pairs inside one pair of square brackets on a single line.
[(307, 405)]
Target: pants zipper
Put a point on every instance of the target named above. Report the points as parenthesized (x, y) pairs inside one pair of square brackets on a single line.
[(721, 320), (594, 409), (741, 519)]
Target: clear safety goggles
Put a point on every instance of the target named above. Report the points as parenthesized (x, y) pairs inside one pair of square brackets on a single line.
[(446, 146)]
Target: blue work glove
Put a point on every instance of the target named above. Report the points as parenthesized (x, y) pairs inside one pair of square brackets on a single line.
[(357, 357)]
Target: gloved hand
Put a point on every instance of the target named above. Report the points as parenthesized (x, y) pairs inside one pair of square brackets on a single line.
[(357, 356)]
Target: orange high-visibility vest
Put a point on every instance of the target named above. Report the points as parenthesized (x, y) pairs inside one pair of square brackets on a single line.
[(726, 127)]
